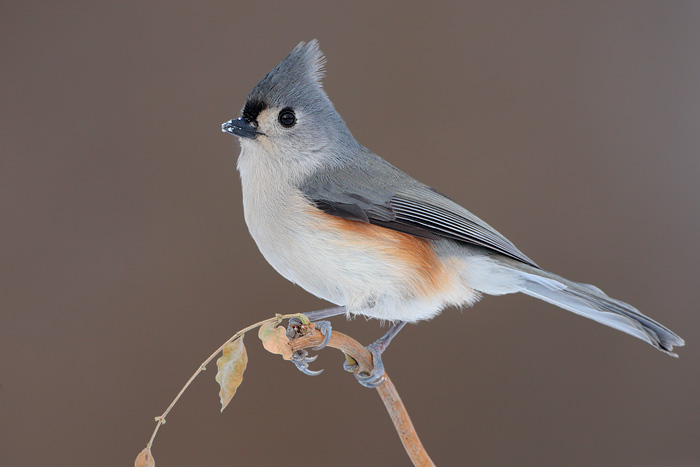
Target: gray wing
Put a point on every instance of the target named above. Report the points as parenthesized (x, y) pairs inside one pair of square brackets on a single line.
[(375, 192)]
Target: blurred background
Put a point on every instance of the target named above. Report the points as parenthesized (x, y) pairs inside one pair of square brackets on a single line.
[(571, 127)]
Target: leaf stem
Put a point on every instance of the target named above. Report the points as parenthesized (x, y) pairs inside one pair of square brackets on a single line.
[(160, 420)]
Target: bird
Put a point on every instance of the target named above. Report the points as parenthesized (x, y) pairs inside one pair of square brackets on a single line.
[(347, 226)]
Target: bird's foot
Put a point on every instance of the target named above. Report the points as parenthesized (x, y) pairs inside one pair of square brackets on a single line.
[(375, 377), (301, 358)]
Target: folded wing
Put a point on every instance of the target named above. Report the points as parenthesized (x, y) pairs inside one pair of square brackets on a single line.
[(378, 193)]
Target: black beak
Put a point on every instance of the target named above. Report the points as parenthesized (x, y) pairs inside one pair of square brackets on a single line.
[(240, 127)]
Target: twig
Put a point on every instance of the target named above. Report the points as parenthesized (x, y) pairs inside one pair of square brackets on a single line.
[(397, 411), (160, 420)]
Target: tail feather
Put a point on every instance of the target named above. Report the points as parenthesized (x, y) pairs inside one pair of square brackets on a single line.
[(589, 301)]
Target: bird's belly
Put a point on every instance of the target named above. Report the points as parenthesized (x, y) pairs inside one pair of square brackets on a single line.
[(371, 270)]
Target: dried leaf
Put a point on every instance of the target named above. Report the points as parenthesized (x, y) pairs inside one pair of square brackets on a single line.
[(231, 366), (274, 339), (145, 459)]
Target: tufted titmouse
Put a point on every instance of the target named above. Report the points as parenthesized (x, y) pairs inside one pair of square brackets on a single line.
[(344, 224)]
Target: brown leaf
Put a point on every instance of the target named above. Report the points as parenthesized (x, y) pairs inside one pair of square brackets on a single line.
[(274, 339), (231, 366), (145, 459)]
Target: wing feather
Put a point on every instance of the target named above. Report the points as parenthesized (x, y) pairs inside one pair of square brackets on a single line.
[(401, 203)]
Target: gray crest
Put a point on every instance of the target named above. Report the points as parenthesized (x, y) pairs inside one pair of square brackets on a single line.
[(297, 78)]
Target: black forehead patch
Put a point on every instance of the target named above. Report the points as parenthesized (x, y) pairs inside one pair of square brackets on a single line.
[(252, 109)]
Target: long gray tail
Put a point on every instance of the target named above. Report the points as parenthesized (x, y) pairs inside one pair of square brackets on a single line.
[(591, 302)]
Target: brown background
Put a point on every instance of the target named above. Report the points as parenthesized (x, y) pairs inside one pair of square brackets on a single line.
[(573, 128)]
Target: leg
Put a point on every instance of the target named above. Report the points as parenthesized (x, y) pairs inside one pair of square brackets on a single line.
[(301, 358), (383, 342), (376, 377), (326, 313)]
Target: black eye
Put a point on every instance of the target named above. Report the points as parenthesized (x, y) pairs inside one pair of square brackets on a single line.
[(287, 118)]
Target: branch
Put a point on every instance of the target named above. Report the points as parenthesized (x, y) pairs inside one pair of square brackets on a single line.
[(233, 362), (353, 350)]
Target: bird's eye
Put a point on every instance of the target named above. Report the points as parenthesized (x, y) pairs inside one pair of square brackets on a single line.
[(287, 118)]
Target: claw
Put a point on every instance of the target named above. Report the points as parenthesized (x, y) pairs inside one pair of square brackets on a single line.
[(369, 380), (325, 328), (301, 359), (377, 376), (311, 359), (308, 372)]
